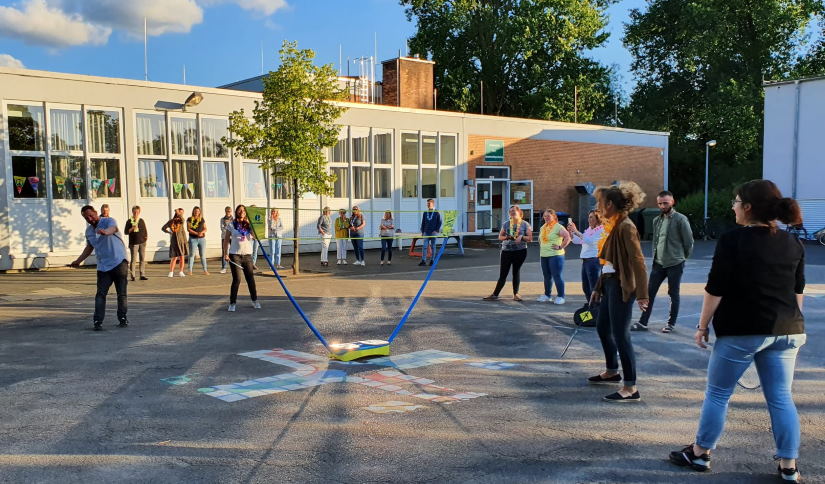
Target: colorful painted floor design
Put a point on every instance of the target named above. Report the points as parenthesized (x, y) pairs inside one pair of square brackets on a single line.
[(492, 365), (313, 370)]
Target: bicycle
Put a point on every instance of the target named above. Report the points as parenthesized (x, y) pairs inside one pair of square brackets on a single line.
[(798, 230), (819, 236)]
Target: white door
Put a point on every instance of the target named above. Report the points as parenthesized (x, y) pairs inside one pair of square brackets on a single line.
[(521, 194), (484, 205)]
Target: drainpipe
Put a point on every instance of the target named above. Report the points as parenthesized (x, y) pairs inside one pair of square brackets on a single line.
[(795, 159)]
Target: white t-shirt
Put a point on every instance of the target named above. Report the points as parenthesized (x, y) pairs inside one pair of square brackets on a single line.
[(239, 244)]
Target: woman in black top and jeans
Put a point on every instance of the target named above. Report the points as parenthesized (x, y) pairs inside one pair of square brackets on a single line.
[(514, 236), (754, 298)]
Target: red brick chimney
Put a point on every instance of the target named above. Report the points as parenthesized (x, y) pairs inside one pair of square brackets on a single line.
[(408, 83)]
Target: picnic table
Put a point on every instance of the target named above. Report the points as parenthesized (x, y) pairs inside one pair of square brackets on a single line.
[(416, 236)]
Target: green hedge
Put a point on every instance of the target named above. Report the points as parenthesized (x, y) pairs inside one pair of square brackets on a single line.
[(719, 210)]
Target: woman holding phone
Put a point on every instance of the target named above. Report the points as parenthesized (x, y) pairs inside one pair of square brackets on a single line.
[(514, 236)]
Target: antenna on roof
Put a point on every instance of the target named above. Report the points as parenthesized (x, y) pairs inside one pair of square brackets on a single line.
[(262, 57), (145, 53)]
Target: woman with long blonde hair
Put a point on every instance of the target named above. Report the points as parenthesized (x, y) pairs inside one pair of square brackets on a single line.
[(514, 236), (177, 242)]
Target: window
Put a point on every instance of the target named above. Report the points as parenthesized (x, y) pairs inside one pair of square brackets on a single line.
[(281, 188), (409, 149), (361, 181), (105, 181), (521, 193), (104, 131), (184, 136), (340, 188), (151, 134), (360, 148), (428, 150), (409, 183), (253, 177), (186, 179), (25, 128), (212, 132), (152, 178), (216, 179), (489, 172), (66, 130), (68, 177), (383, 148), (447, 183), (428, 181), (29, 176), (447, 150), (339, 152), (383, 183)]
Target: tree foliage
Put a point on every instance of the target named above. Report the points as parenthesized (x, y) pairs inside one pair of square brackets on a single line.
[(700, 66), (292, 125), (529, 54)]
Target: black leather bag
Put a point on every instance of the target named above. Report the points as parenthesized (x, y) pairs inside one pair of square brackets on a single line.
[(586, 315)]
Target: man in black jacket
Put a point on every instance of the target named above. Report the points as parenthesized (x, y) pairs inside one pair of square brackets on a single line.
[(136, 230), (430, 227)]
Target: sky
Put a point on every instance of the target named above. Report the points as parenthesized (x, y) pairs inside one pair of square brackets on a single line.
[(218, 41)]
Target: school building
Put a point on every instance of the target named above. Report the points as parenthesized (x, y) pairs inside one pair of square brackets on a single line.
[(69, 140)]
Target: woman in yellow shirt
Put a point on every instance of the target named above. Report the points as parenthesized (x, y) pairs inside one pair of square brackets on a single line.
[(553, 238), (341, 234)]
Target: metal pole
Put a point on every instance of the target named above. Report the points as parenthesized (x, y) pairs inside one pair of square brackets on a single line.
[(145, 53), (482, 97), (705, 219)]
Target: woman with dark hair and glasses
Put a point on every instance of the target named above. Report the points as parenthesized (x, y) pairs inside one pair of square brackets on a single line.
[(754, 298), (240, 236)]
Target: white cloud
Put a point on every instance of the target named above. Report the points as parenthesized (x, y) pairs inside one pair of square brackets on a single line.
[(36, 22), (162, 16), (9, 61), (266, 7)]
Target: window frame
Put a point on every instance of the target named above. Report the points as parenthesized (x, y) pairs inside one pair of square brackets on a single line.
[(44, 154), (166, 158), (211, 159), (409, 166), (374, 133), (120, 156)]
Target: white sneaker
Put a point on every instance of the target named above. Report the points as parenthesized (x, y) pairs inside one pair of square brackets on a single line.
[(389, 262), (381, 264), (256, 305), (344, 262), (181, 274), (338, 262), (223, 271), (542, 298), (363, 264), (231, 308), (559, 300), (171, 274)]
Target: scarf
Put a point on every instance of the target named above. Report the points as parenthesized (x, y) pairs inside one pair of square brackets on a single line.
[(176, 223), (545, 231), (609, 223), (194, 222), (135, 224), (243, 227)]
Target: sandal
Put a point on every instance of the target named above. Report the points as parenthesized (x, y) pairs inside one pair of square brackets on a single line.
[(517, 298), (491, 297)]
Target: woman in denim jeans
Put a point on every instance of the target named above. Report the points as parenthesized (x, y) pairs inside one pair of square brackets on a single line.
[(589, 239), (387, 232), (196, 227), (754, 299), (276, 237)]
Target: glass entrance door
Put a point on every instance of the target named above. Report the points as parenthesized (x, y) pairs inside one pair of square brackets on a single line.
[(484, 205), (521, 194)]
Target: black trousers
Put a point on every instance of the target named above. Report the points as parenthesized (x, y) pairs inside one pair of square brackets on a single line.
[(673, 274), (245, 261), (117, 276), (614, 329), (514, 259)]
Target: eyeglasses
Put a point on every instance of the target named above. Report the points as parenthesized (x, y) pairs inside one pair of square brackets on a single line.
[(734, 202)]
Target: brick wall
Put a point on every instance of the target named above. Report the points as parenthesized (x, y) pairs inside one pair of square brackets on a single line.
[(389, 86), (556, 166), (416, 83)]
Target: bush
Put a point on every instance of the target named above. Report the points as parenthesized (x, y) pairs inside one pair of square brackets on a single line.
[(721, 217)]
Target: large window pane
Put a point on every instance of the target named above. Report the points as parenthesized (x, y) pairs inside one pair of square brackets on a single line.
[(383, 148), (253, 177), (409, 183), (281, 188), (66, 130), (216, 179), (428, 151), (521, 193), (361, 181), (340, 189), (212, 131), (338, 153), (152, 178), (184, 136), (383, 182), (151, 134), (428, 180), (29, 176), (186, 179), (104, 131), (105, 178), (447, 183), (68, 177), (25, 128), (447, 150), (360, 148), (409, 149)]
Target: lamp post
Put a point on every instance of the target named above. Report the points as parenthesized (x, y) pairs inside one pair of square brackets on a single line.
[(708, 146)]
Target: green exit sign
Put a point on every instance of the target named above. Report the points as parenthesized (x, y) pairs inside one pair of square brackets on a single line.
[(494, 150)]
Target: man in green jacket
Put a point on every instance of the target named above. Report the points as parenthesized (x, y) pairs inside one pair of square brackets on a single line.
[(672, 245)]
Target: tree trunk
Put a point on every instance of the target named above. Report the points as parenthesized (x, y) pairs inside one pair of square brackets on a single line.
[(296, 226)]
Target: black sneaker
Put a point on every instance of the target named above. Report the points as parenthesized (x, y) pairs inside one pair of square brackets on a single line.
[(599, 379), (789, 475), (686, 458), (431, 262), (617, 397), (123, 323), (133, 278), (638, 327), (98, 325), (422, 263), (144, 278)]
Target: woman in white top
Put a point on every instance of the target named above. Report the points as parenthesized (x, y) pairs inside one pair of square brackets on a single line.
[(276, 237), (240, 236), (387, 232), (589, 240)]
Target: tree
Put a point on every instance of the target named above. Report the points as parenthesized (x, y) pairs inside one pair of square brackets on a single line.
[(292, 125), (529, 55), (700, 68)]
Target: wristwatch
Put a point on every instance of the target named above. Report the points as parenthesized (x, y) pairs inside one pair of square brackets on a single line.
[(703, 329)]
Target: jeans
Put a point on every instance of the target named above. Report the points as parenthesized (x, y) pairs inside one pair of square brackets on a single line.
[(591, 270), (138, 251), (224, 249), (275, 250), (255, 252), (358, 248), (325, 241), (658, 274), (775, 359), (614, 329), (514, 259), (200, 243), (386, 247), (428, 242), (116, 276), (551, 269), (341, 246), (245, 261)]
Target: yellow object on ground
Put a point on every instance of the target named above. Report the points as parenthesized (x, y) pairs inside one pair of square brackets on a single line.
[(359, 349)]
